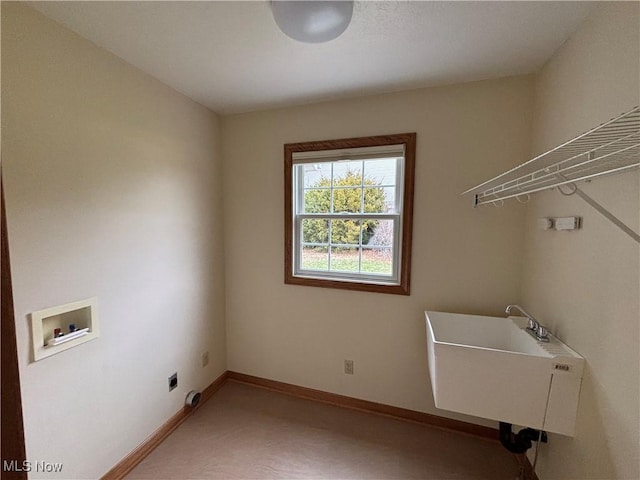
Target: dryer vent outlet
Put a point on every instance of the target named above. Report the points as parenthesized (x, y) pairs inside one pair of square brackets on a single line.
[(193, 398)]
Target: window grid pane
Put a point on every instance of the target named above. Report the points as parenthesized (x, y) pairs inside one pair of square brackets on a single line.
[(349, 246), (376, 186), (377, 261), (345, 259), (345, 247), (360, 246), (315, 258), (329, 238)]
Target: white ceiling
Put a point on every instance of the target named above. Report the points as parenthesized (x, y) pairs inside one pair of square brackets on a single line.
[(231, 57)]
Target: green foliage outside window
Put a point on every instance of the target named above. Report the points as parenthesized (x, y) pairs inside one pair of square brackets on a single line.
[(347, 200)]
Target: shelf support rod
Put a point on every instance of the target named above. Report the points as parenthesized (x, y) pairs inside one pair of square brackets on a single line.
[(600, 209), (608, 215)]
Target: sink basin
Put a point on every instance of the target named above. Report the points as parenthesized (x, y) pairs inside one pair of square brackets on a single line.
[(491, 367)]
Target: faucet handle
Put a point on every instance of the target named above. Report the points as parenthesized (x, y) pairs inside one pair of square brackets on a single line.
[(533, 325), (542, 333)]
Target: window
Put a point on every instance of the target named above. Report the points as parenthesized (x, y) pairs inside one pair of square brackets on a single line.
[(348, 213)]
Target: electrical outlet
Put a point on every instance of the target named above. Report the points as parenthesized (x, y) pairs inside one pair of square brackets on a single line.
[(173, 381), (348, 367), (205, 359)]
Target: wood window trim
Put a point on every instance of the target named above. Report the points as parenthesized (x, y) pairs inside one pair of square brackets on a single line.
[(409, 141), (13, 446)]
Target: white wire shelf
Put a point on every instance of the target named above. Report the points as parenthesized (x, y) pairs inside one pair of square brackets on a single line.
[(613, 147)]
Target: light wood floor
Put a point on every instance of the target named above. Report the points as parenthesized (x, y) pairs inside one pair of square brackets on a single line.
[(245, 432)]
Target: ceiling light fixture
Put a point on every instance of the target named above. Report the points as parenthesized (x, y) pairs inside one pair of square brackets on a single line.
[(312, 21)]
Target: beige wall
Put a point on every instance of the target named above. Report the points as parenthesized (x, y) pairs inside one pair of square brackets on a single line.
[(584, 284), (113, 190), (464, 260)]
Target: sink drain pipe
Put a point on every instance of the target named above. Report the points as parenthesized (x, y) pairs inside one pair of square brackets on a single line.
[(520, 442)]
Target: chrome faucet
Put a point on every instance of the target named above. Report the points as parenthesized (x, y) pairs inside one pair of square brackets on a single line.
[(533, 326)]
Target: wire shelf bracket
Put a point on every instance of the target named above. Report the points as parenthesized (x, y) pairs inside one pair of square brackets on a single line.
[(613, 147)]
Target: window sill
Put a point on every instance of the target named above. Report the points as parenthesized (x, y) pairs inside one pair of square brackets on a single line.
[(394, 289)]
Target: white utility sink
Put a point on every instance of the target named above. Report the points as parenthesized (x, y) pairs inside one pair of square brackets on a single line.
[(491, 367)]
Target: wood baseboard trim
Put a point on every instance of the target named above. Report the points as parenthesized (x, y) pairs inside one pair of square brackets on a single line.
[(367, 406), (208, 392), (128, 463)]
